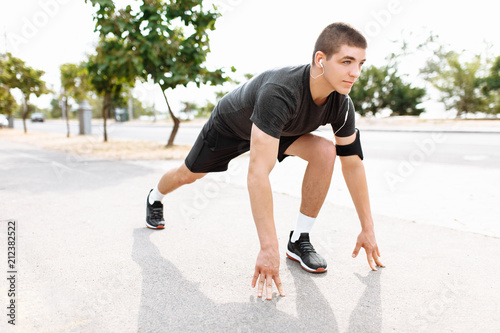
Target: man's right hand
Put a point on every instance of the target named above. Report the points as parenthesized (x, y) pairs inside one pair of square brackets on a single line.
[(266, 270), (263, 152)]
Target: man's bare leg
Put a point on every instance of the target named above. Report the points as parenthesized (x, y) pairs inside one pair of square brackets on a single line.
[(320, 154), (177, 177)]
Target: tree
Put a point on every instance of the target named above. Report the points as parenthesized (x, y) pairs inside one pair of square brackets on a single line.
[(402, 98), (491, 88), (55, 108), (458, 81), (493, 80), (116, 64), (174, 53), (7, 101), (378, 88), (366, 93), (110, 70), (14, 73), (170, 39), (75, 84)]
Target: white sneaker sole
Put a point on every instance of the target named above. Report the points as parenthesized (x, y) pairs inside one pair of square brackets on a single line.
[(151, 227), (295, 257)]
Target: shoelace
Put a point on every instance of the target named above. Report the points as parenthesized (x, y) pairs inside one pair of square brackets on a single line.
[(305, 246), (157, 212)]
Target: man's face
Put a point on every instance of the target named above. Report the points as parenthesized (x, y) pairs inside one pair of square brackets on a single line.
[(344, 67)]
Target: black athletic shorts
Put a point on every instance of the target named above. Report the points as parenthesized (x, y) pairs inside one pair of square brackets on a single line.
[(212, 151)]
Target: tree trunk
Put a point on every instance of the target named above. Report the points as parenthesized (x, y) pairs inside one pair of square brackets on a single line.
[(25, 114), (105, 107), (66, 114), (176, 120)]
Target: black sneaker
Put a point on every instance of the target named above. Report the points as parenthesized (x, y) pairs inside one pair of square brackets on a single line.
[(154, 214), (303, 252)]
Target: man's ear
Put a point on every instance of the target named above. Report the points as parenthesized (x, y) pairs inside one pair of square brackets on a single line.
[(319, 55)]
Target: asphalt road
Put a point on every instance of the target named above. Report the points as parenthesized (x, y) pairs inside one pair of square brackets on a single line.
[(85, 262)]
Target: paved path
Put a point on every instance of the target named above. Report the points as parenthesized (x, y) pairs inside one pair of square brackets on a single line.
[(86, 263)]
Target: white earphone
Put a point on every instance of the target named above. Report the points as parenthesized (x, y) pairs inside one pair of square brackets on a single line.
[(321, 64)]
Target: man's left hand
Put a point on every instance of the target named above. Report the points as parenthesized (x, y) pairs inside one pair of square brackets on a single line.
[(366, 240)]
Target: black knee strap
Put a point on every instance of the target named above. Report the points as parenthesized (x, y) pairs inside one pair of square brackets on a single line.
[(353, 148)]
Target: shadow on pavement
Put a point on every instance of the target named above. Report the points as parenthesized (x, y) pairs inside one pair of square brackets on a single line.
[(312, 306), (171, 303), (367, 315)]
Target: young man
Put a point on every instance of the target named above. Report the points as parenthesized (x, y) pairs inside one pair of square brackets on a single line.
[(273, 116)]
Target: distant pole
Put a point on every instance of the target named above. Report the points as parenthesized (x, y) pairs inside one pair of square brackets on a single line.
[(85, 118)]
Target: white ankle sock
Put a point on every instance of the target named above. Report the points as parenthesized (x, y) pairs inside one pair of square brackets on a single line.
[(155, 195), (304, 224)]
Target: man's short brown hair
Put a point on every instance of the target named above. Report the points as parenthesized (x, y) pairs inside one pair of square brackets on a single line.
[(335, 35)]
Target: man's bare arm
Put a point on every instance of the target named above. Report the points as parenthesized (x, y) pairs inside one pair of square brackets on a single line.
[(355, 178), (263, 153)]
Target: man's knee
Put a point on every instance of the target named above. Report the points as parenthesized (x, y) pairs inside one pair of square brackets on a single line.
[(186, 176), (315, 149), (325, 151)]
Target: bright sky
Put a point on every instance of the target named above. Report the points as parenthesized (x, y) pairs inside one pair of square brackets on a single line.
[(252, 35)]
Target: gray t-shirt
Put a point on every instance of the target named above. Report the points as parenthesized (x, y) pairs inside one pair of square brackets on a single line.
[(279, 102)]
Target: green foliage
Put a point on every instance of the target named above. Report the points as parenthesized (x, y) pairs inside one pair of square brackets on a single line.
[(204, 111), (96, 103), (378, 88), (189, 111), (116, 64), (75, 84), (198, 111), (55, 111), (14, 73), (459, 81), (75, 81), (366, 92), (219, 94), (138, 108), (491, 89), (493, 80), (110, 69), (172, 39), (168, 42), (402, 98), (7, 102), (248, 76)]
